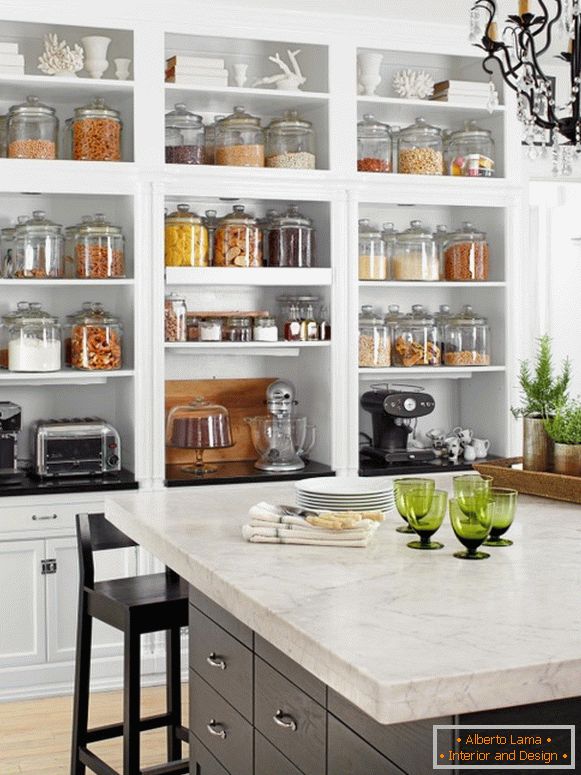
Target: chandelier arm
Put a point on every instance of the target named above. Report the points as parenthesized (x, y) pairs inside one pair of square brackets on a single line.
[(548, 26), (539, 75)]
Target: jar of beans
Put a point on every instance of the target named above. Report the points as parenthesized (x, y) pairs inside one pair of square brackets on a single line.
[(238, 240), (372, 258), (374, 341), (291, 239), (175, 314), (96, 130), (290, 142), (467, 339), (39, 249), (421, 149), (32, 130), (466, 254), (186, 238), (99, 250), (184, 138), (97, 341), (239, 140), (373, 145)]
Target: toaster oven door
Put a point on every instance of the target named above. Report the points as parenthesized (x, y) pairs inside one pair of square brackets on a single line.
[(73, 455)]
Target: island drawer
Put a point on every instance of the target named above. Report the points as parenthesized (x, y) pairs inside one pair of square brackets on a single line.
[(269, 761), (226, 734), (224, 662), (44, 517), (201, 760), (348, 753), (228, 622), (289, 719), (291, 670)]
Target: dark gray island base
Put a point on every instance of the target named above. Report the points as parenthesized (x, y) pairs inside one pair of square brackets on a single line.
[(254, 711)]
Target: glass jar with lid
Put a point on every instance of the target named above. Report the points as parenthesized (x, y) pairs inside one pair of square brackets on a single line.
[(22, 309), (186, 238), (96, 132), (442, 317), (264, 225), (389, 236), (32, 130), (291, 239), (237, 329), (373, 264), (210, 140), (199, 426), (69, 236), (440, 236), (290, 142), (39, 245), (239, 140), (374, 145), (393, 317), (374, 340), (99, 250), (184, 136), (416, 340), (210, 329), (471, 152), (67, 329), (8, 247), (466, 254), (97, 341), (210, 221), (34, 340), (420, 149), (265, 329), (414, 255), (175, 314), (238, 240), (467, 338)]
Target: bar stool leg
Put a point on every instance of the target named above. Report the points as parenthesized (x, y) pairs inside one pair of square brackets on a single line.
[(173, 692), (131, 701), (82, 687)]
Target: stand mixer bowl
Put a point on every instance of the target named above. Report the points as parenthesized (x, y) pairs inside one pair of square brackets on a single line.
[(279, 441)]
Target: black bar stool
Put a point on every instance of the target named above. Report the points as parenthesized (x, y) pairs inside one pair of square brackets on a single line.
[(135, 606)]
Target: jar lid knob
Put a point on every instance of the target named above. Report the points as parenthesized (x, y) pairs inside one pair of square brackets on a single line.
[(211, 213), (39, 215), (238, 208), (180, 106), (32, 100), (183, 208), (416, 224), (389, 226), (393, 308), (364, 221)]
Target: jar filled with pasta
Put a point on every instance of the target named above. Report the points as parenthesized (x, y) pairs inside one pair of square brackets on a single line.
[(186, 238), (416, 340), (96, 130), (238, 240), (99, 250), (97, 341)]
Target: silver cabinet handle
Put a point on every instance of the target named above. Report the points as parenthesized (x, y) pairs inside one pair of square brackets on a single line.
[(214, 728), (36, 518), (284, 720), (215, 661)]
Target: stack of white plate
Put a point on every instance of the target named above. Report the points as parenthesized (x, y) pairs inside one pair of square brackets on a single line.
[(345, 494)]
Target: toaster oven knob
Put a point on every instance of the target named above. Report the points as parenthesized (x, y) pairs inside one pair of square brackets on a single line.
[(113, 460)]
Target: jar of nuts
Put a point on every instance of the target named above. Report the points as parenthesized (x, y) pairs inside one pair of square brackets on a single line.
[(290, 142), (175, 318), (96, 130), (373, 145), (186, 238), (99, 250), (239, 140), (467, 339), (466, 254), (238, 240), (97, 341), (421, 150), (32, 130), (374, 340), (39, 249), (372, 258), (184, 136), (416, 340)]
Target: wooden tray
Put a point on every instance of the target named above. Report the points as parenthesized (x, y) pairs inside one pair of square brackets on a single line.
[(543, 484)]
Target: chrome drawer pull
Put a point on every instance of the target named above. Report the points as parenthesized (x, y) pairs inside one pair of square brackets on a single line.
[(36, 518), (284, 720), (214, 728), (215, 661)]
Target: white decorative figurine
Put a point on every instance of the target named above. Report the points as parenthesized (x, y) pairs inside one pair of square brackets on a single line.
[(413, 84), (60, 59), (240, 74), (287, 79), (96, 54), (122, 68), (368, 72)]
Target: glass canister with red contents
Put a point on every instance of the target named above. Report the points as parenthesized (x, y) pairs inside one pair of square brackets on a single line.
[(374, 145), (96, 130), (99, 250), (97, 341), (291, 239)]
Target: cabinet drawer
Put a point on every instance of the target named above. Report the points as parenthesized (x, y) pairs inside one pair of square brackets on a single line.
[(291, 670), (215, 612), (226, 734), (44, 517), (222, 660), (289, 719), (201, 760), (348, 753), (269, 761)]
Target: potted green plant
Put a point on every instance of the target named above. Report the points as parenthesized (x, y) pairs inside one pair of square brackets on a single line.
[(543, 393), (565, 431)]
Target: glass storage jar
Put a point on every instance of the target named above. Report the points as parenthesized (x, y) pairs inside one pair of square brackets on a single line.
[(34, 340), (466, 254), (471, 152), (374, 341), (291, 239), (373, 264), (96, 130), (414, 255), (67, 329), (290, 142), (442, 317), (32, 130), (237, 330), (467, 338), (69, 236), (39, 247), (392, 318), (8, 247), (210, 330), (420, 150), (416, 340), (210, 140), (97, 341), (210, 221), (175, 313), (264, 225), (374, 145), (187, 146), (99, 250), (186, 238), (265, 329), (239, 140), (238, 240), (21, 310)]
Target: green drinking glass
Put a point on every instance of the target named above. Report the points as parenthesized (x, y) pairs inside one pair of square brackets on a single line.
[(426, 518), (472, 493), (471, 529), (503, 507), (401, 486)]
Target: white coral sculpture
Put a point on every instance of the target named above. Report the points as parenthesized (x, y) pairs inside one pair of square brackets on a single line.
[(413, 84), (288, 79), (60, 58)]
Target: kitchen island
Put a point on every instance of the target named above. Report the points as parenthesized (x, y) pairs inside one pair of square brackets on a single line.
[(372, 642)]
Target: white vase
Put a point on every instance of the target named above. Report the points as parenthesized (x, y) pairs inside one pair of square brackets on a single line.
[(122, 69), (240, 71), (96, 54), (369, 68)]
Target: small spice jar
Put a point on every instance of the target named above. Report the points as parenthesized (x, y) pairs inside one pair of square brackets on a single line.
[(96, 130), (414, 256), (421, 150), (416, 340), (184, 136), (99, 250), (301, 302), (186, 238), (97, 341), (239, 140), (374, 145), (238, 240), (471, 152), (291, 239), (374, 340), (34, 340), (292, 325), (466, 254), (467, 338), (372, 254), (210, 330), (237, 330), (210, 221), (175, 312), (39, 249), (32, 130), (265, 329), (290, 142)]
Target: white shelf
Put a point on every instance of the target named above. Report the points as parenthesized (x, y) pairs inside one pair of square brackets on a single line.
[(276, 349), (14, 88), (255, 276), (433, 372), (67, 377), (418, 284), (65, 283), (428, 105), (221, 99)]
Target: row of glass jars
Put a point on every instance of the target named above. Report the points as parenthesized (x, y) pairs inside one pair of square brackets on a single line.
[(238, 140), (239, 239), (33, 340), (418, 254), (422, 339), (38, 248), (423, 149), (93, 133)]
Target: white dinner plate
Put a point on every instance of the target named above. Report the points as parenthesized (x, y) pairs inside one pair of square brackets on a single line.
[(345, 485)]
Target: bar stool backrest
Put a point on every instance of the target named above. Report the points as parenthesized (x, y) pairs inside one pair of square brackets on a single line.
[(96, 534)]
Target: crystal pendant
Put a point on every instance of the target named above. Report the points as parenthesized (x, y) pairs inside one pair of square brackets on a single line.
[(476, 26)]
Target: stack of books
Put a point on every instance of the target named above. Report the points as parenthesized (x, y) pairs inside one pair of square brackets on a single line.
[(11, 62), (470, 93), (196, 71)]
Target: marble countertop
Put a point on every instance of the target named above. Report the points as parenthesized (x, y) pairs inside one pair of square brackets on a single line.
[(402, 634)]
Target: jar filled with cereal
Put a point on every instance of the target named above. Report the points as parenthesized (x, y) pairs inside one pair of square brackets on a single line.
[(421, 150), (466, 254), (175, 315), (96, 130), (374, 340), (39, 249), (186, 238), (97, 341), (416, 340), (99, 250), (184, 136), (238, 240), (239, 140), (467, 339), (32, 130), (374, 145), (290, 142), (372, 254)]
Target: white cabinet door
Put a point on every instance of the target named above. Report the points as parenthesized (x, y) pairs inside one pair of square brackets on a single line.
[(22, 603)]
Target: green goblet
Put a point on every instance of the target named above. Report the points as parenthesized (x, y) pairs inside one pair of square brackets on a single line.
[(471, 529), (503, 507), (426, 518), (472, 492), (401, 486)]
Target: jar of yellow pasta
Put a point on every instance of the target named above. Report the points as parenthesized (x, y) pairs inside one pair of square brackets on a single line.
[(186, 238)]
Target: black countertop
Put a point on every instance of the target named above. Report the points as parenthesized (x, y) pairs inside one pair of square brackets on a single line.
[(242, 472), (31, 485)]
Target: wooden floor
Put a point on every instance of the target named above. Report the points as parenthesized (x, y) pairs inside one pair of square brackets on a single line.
[(35, 735)]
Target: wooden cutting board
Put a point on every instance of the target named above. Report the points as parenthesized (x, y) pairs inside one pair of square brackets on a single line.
[(242, 397)]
